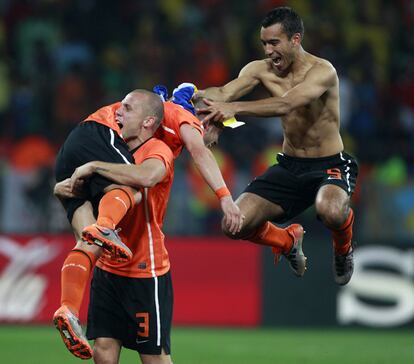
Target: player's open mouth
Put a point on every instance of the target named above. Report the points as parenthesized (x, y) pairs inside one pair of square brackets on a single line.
[(119, 124), (277, 61)]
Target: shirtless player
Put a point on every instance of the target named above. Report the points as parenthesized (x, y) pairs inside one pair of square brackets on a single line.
[(313, 168)]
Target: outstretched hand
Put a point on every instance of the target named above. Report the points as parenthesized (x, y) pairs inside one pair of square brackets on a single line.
[(216, 111), (233, 218)]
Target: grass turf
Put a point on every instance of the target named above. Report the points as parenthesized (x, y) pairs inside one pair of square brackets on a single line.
[(42, 345)]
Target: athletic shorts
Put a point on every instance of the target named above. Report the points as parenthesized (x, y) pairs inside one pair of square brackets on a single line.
[(294, 182), (136, 311), (89, 141)]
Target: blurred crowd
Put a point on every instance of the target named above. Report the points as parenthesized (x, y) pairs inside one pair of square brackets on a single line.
[(60, 60)]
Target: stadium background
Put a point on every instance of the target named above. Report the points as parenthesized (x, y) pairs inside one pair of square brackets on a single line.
[(60, 60)]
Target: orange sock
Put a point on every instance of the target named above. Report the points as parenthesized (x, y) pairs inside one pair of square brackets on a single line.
[(270, 235), (113, 207), (342, 237), (74, 278)]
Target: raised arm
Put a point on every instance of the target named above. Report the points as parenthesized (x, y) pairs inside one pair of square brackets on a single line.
[(207, 165), (236, 88), (318, 80), (147, 174)]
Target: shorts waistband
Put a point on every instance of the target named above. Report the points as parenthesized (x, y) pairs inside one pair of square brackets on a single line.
[(340, 155)]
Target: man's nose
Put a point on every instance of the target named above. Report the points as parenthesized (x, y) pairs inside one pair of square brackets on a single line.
[(268, 49)]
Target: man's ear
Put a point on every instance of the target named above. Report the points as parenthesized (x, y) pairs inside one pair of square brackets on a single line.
[(149, 122), (296, 38)]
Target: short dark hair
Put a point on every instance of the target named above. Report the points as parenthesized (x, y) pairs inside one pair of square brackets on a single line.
[(290, 20), (153, 105)]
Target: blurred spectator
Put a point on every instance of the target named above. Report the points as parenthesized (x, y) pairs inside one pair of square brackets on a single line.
[(27, 183), (60, 60), (71, 101)]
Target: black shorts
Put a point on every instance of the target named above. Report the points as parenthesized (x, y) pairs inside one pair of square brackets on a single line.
[(136, 311), (294, 182), (89, 141)]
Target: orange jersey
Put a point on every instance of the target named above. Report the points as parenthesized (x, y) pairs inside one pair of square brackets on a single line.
[(141, 227), (106, 116), (169, 130)]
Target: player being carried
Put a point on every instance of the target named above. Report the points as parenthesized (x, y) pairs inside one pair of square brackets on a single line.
[(313, 167), (179, 128)]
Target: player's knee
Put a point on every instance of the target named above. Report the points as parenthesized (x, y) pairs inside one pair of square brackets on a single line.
[(241, 235), (332, 215), (105, 353), (101, 357), (226, 231)]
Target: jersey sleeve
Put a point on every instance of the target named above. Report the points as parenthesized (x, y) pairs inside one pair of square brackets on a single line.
[(176, 115), (185, 117), (157, 149)]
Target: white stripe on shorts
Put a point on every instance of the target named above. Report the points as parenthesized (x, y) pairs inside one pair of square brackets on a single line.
[(113, 145), (347, 168), (152, 259)]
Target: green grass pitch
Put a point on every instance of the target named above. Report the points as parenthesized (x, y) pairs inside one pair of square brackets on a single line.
[(42, 345)]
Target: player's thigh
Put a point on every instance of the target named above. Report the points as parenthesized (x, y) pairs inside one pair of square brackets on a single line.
[(91, 141), (332, 204), (156, 359), (106, 350), (339, 176), (257, 210)]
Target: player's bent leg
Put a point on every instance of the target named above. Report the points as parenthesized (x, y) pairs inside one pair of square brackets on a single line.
[(257, 229), (71, 332), (106, 350), (74, 278), (332, 206), (257, 211), (113, 207), (79, 262)]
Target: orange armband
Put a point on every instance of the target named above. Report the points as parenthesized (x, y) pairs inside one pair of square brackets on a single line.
[(222, 192)]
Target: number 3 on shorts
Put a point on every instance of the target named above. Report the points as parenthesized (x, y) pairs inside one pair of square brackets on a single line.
[(143, 323)]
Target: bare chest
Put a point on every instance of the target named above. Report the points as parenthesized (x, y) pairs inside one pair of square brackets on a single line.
[(308, 113), (279, 86)]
